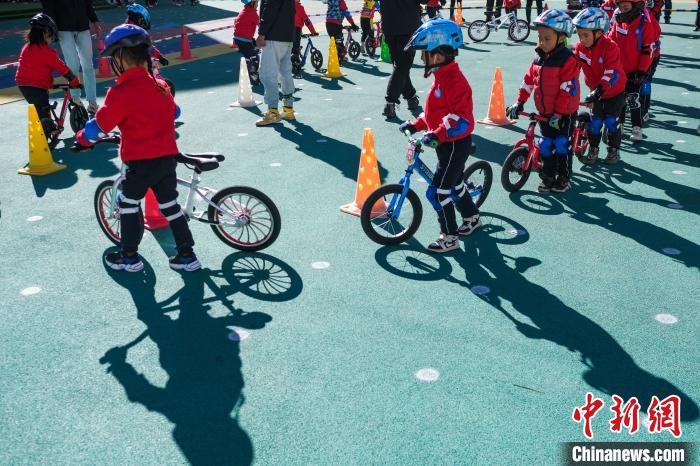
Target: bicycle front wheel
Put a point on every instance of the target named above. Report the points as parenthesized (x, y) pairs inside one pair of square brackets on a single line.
[(478, 178), (354, 50), (387, 227), (316, 59), (110, 225), (478, 30), (244, 218), (518, 31), (370, 48), (78, 117), (513, 176)]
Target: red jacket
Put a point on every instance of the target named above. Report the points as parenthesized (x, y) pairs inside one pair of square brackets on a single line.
[(511, 4), (636, 41), (609, 8), (602, 66), (246, 22), (144, 113), (655, 7), (657, 33), (301, 18), (449, 106), (36, 63), (553, 79), (431, 3)]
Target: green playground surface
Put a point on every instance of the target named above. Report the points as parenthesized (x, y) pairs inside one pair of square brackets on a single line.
[(326, 348)]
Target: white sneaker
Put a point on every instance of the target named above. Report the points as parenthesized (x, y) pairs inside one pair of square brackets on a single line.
[(469, 225), (92, 108), (444, 243), (636, 135)]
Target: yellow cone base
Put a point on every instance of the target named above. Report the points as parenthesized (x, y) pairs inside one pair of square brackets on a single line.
[(41, 170)]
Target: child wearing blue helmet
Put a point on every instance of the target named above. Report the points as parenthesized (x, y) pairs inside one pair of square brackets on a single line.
[(448, 122), (139, 15), (147, 147)]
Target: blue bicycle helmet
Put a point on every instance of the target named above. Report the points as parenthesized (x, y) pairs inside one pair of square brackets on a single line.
[(125, 35), (557, 20), (592, 18), (436, 33), (139, 15)]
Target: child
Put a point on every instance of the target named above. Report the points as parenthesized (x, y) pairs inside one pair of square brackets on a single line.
[(553, 79), (645, 90), (243, 32), (36, 63), (511, 6), (602, 69), (367, 21), (431, 8), (609, 8), (634, 34), (448, 122), (147, 146), (337, 10), (300, 19), (139, 15)]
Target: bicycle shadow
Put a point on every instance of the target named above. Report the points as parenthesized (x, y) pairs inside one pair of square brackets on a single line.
[(200, 353), (490, 150), (366, 66), (331, 84)]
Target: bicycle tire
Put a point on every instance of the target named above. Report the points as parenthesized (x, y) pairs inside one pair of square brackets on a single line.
[(171, 86), (354, 50), (275, 221), (474, 27), (488, 180), (78, 117), (378, 194), (522, 26), (510, 166), (370, 48), (316, 59), (102, 199)]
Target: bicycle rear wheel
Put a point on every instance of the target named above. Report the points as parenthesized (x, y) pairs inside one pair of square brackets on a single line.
[(110, 226), (478, 177), (244, 218), (370, 48), (518, 31), (478, 30), (381, 226), (78, 117), (513, 177)]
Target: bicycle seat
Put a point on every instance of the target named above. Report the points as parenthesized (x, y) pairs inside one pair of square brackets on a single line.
[(200, 164), (206, 155)]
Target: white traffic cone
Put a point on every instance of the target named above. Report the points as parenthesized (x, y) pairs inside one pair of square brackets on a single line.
[(245, 90)]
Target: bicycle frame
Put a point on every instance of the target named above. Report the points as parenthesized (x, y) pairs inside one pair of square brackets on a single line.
[(502, 21), (307, 49), (61, 117), (533, 149), (348, 40)]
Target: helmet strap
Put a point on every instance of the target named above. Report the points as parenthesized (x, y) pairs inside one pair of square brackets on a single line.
[(117, 66), (429, 68)]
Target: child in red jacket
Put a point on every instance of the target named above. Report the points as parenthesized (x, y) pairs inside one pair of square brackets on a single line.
[(300, 19), (36, 63), (609, 7), (602, 69), (634, 33), (243, 32), (433, 7), (140, 16), (553, 80), (645, 90), (448, 123)]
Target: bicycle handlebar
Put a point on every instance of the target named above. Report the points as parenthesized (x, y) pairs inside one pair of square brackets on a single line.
[(66, 86), (533, 115)]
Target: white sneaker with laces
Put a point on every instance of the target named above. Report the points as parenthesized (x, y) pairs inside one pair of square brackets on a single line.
[(636, 134), (445, 243)]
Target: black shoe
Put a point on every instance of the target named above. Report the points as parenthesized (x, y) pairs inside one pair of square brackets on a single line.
[(561, 185), (613, 156), (413, 103), (546, 183), (389, 110), (119, 261)]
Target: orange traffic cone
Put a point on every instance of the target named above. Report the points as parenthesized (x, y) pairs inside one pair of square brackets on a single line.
[(367, 178), (497, 106), (185, 53), (458, 14), (152, 217), (104, 69)]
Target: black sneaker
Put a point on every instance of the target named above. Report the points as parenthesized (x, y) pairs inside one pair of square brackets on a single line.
[(188, 263), (469, 225), (613, 156), (546, 183), (561, 185), (445, 243), (592, 156), (389, 110), (119, 261), (413, 103)]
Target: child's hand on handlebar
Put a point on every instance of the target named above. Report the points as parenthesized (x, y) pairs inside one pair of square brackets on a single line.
[(407, 126), (430, 140), (74, 83), (513, 110)]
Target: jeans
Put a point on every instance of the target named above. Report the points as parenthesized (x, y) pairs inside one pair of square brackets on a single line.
[(528, 9), (77, 52), (400, 80), (276, 66)]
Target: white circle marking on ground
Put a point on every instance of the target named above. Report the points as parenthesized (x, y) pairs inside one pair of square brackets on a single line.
[(211, 92), (666, 319), (30, 291), (679, 172), (427, 375), (321, 140), (671, 251), (275, 164), (319, 265), (238, 335), (368, 119), (328, 99), (34, 218), (680, 141), (195, 79), (516, 232), (481, 289), (240, 135), (674, 205)]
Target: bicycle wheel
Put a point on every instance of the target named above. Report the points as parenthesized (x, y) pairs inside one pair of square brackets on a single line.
[(512, 176), (478, 177), (78, 117), (170, 85), (244, 218), (111, 227), (316, 59), (370, 48), (518, 31), (382, 227), (478, 30), (354, 49)]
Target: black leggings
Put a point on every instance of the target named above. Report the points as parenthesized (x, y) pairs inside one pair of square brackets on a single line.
[(607, 108), (646, 98), (400, 80), (40, 99), (367, 30), (632, 94), (336, 32)]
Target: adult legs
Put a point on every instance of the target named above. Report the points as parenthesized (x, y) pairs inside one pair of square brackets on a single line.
[(400, 80)]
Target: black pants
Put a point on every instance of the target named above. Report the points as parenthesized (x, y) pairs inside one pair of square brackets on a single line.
[(336, 32), (646, 97), (367, 30), (606, 108), (489, 9), (449, 182), (668, 5), (400, 80), (528, 9), (252, 58), (159, 175), (560, 161), (40, 99), (632, 95)]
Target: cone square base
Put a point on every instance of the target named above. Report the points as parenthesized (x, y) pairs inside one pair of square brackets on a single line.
[(155, 224), (489, 121), (41, 170), (353, 209), (253, 103), (334, 75)]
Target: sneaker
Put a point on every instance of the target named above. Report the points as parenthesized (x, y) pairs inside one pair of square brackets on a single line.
[(92, 109), (546, 183), (188, 263), (389, 110), (469, 225), (445, 243), (613, 156), (561, 185), (119, 261), (288, 113), (271, 116), (636, 135), (413, 103), (592, 156)]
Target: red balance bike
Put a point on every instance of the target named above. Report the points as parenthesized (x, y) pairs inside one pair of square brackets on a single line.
[(78, 116), (525, 155)]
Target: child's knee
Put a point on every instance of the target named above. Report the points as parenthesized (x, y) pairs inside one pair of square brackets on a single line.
[(561, 145), (611, 123)]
